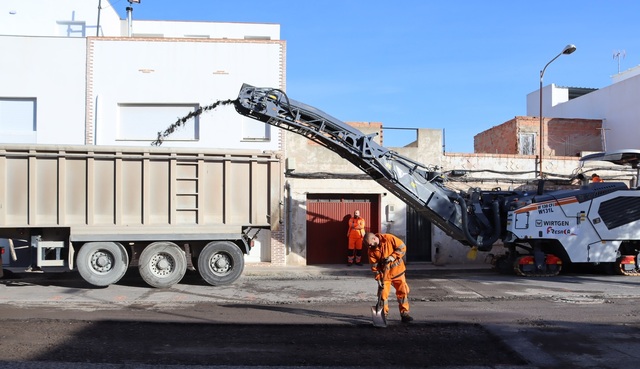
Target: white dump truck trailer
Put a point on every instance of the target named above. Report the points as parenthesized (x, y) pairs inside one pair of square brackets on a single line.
[(103, 209)]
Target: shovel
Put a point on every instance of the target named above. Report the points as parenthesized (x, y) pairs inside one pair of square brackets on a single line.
[(377, 312)]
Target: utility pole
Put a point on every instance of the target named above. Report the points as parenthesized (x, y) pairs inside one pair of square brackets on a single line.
[(98, 25)]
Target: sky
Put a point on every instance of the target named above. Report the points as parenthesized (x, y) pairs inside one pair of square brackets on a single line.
[(462, 66)]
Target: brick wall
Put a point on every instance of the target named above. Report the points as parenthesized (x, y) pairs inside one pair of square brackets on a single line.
[(569, 137), (562, 136), (500, 139), (278, 248)]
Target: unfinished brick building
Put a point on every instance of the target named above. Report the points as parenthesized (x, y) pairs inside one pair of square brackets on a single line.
[(562, 137)]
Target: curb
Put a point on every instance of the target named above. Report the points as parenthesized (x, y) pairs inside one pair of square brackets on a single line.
[(334, 270)]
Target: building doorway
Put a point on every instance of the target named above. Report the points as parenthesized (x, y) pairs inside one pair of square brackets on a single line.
[(327, 222), (418, 237)]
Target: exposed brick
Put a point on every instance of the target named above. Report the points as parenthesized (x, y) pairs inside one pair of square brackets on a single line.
[(562, 136)]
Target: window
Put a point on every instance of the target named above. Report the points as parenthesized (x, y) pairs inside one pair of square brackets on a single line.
[(18, 120), (527, 143), (142, 122), (253, 130)]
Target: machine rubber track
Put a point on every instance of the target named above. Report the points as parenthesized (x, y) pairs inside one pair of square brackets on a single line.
[(628, 265), (524, 266)]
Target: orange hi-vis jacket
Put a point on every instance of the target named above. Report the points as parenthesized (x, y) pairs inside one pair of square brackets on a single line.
[(356, 228), (389, 245)]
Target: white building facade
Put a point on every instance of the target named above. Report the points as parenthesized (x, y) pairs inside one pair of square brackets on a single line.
[(72, 75), (616, 104), (62, 85)]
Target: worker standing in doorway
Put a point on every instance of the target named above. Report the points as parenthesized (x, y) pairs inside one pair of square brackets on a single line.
[(386, 253), (355, 235)]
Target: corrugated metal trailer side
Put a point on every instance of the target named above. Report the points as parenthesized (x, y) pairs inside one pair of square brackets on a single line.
[(158, 208)]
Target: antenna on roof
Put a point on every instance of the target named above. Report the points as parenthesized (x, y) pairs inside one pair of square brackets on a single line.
[(617, 54)]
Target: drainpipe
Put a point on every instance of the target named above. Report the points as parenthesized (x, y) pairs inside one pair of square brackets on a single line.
[(287, 234)]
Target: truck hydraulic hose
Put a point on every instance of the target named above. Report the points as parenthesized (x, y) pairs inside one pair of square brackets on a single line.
[(484, 245)]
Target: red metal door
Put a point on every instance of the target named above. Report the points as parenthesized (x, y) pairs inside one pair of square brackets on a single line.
[(327, 222)]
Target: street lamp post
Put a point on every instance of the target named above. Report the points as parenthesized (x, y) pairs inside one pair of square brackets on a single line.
[(566, 51)]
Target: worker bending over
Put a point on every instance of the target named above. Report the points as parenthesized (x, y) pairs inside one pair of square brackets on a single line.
[(386, 253)]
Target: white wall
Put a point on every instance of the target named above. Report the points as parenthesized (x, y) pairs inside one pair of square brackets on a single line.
[(79, 18), (143, 28), (552, 96), (57, 18), (85, 89), (52, 71), (631, 72), (173, 72), (617, 105)]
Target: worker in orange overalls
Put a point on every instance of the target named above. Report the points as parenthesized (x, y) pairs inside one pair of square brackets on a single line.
[(355, 234), (386, 253), (595, 178)]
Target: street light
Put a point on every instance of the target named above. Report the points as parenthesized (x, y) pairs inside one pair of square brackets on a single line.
[(566, 51)]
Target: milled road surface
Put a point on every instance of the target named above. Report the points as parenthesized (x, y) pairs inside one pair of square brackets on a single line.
[(251, 345), (321, 317)]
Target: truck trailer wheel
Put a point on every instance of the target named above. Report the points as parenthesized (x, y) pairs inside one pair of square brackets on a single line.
[(162, 264), (102, 263), (220, 263)]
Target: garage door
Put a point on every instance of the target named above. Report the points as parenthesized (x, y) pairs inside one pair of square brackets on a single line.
[(327, 222)]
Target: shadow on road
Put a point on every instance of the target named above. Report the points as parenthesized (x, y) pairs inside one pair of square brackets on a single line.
[(277, 345)]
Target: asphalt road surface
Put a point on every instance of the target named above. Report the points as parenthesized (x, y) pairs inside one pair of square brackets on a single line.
[(320, 317)]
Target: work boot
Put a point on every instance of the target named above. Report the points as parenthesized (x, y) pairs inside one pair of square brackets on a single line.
[(359, 264), (406, 318), (349, 264)]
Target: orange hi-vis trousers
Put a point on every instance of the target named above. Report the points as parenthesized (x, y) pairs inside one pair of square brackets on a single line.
[(355, 249), (402, 293), (355, 234)]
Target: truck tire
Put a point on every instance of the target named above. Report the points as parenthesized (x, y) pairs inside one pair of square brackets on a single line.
[(162, 264), (102, 263), (220, 263)]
